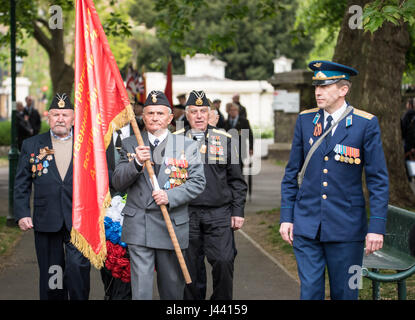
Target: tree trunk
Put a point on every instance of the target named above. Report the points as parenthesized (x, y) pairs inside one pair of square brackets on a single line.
[(380, 60), (62, 74)]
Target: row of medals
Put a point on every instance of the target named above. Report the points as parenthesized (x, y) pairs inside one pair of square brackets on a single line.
[(41, 167), (177, 175), (346, 159)]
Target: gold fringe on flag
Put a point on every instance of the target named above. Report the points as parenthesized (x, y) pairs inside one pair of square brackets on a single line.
[(78, 240)]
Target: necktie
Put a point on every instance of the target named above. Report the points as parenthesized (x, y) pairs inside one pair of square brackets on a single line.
[(156, 142), (328, 125), (118, 141)]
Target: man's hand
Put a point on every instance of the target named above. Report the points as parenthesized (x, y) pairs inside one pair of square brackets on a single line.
[(237, 222), (286, 232), (25, 223), (160, 196), (142, 154), (374, 242)]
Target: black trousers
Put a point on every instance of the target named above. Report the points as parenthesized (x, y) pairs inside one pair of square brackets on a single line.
[(63, 271), (210, 236)]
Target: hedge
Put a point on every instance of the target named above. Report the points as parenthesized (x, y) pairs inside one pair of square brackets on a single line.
[(5, 133)]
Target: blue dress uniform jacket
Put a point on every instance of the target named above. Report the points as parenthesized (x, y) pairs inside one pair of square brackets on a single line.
[(52, 196), (331, 195)]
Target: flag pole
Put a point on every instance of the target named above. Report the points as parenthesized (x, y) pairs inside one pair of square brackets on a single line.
[(163, 208)]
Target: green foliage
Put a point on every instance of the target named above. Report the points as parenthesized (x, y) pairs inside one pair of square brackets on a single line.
[(244, 33), (5, 132), (394, 11), (5, 127), (320, 20)]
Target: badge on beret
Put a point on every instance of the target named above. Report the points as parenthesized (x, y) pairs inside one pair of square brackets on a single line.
[(154, 97), (317, 65), (61, 103), (199, 97)]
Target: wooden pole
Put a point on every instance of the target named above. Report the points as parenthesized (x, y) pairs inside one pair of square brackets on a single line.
[(163, 208)]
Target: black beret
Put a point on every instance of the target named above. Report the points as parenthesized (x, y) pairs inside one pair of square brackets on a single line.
[(157, 98), (61, 101), (198, 99)]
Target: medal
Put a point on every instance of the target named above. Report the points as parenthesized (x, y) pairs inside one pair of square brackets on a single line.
[(357, 161), (318, 129), (61, 103), (167, 171), (154, 96), (199, 102), (45, 170), (337, 157), (199, 97), (351, 160)]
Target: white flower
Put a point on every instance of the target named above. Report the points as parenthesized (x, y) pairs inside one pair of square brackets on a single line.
[(114, 211)]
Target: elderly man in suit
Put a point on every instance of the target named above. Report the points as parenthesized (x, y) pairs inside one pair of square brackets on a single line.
[(46, 162), (180, 175), (324, 217)]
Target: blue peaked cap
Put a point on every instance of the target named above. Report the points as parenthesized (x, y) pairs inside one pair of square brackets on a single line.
[(328, 72)]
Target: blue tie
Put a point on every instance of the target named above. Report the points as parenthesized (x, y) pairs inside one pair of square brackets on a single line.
[(156, 142), (327, 127)]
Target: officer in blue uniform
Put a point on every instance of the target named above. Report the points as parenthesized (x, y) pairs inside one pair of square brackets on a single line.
[(325, 218)]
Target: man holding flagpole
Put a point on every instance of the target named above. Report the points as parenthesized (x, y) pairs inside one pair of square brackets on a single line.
[(179, 179)]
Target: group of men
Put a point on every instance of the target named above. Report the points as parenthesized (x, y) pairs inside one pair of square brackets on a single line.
[(199, 180)]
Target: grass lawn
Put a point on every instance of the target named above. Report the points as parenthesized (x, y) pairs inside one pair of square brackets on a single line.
[(263, 226), (8, 238)]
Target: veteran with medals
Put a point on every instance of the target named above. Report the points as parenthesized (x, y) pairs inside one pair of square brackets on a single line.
[(323, 211), (219, 210), (46, 162), (179, 178)]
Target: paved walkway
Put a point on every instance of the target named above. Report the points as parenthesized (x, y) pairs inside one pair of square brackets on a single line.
[(257, 275)]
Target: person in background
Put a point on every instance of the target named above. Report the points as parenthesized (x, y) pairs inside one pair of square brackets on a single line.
[(242, 131), (24, 129), (242, 109), (34, 116), (221, 120)]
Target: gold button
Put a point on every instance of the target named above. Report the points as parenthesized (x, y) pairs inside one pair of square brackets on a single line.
[(324, 196), (326, 158), (325, 170), (325, 183)]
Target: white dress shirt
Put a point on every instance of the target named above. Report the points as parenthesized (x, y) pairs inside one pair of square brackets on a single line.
[(335, 115)]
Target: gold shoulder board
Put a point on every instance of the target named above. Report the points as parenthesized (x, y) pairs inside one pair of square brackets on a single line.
[(309, 111), (179, 131), (363, 114), (222, 132)]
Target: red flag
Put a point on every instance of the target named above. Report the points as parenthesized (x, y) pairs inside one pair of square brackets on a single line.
[(142, 88), (100, 107), (168, 91)]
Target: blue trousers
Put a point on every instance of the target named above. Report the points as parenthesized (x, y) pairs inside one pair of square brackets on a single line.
[(312, 258)]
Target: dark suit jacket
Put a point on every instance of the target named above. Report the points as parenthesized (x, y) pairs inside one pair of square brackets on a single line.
[(34, 119), (242, 123), (111, 156), (52, 196)]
